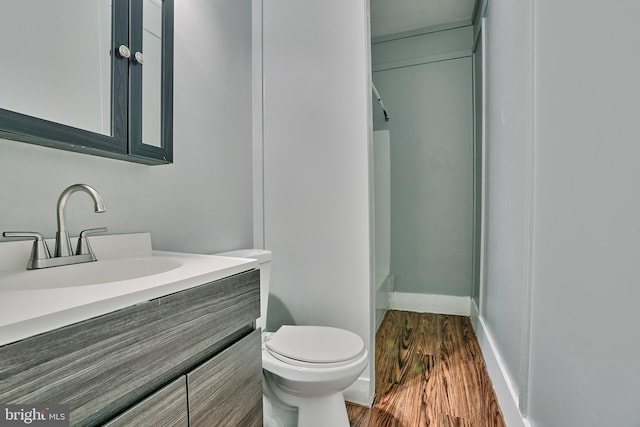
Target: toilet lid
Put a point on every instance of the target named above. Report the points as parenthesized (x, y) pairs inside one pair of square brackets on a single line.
[(315, 344)]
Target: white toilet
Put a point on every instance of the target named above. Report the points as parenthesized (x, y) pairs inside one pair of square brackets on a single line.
[(305, 367)]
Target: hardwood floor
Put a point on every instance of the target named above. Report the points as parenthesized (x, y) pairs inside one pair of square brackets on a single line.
[(429, 372)]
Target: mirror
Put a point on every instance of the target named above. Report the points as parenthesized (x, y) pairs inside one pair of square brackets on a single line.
[(93, 76), (152, 72), (48, 71), (151, 109)]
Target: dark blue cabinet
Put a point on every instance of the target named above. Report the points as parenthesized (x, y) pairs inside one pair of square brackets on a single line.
[(124, 138)]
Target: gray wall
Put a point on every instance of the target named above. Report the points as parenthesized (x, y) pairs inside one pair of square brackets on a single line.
[(427, 88), (563, 208), (202, 202)]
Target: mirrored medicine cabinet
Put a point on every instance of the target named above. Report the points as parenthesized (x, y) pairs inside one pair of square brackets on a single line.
[(92, 76)]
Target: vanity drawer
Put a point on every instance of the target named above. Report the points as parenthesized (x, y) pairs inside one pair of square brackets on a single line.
[(226, 391), (166, 407), (104, 365)]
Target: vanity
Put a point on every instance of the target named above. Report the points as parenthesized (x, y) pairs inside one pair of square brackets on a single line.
[(168, 340)]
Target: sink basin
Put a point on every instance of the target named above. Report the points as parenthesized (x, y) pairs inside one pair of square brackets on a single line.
[(92, 273), (128, 272)]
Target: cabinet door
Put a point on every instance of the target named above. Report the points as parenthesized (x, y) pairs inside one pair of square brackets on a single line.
[(94, 101), (227, 390), (166, 407), (151, 76)]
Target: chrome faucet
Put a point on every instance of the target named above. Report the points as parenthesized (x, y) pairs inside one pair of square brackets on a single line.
[(63, 255), (63, 243)]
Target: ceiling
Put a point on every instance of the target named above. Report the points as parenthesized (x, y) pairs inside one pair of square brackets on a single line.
[(399, 16)]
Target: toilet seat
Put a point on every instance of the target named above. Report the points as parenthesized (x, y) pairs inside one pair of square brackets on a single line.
[(315, 346)]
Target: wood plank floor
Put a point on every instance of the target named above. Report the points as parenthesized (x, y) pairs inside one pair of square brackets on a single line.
[(429, 372)]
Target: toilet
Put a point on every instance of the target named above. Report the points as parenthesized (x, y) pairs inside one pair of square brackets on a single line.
[(305, 368)]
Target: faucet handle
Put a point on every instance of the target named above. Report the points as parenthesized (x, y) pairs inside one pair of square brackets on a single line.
[(83, 247), (39, 251)]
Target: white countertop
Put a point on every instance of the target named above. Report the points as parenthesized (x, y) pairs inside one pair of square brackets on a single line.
[(28, 312)]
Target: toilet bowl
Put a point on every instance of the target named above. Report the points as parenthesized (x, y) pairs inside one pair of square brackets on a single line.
[(305, 368)]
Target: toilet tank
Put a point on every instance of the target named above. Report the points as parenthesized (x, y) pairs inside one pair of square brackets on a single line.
[(263, 257)]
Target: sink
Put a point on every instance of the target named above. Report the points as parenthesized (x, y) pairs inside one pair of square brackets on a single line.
[(98, 272), (128, 272)]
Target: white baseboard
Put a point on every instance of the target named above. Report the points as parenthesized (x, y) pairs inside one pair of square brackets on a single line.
[(424, 303), (359, 393), (502, 384)]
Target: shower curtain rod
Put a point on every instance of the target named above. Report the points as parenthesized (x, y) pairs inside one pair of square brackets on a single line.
[(375, 91)]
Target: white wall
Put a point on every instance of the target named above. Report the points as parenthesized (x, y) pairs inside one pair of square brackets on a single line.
[(316, 165), (383, 281), (507, 181), (478, 166), (563, 208), (585, 359), (202, 202)]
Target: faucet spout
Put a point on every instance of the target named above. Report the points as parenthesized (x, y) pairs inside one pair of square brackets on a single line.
[(63, 243)]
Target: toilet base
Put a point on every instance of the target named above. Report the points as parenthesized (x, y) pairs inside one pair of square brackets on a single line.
[(316, 411), (323, 411), (276, 414)]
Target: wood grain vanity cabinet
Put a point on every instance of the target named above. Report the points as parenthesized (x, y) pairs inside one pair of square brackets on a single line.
[(167, 406), (189, 358)]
